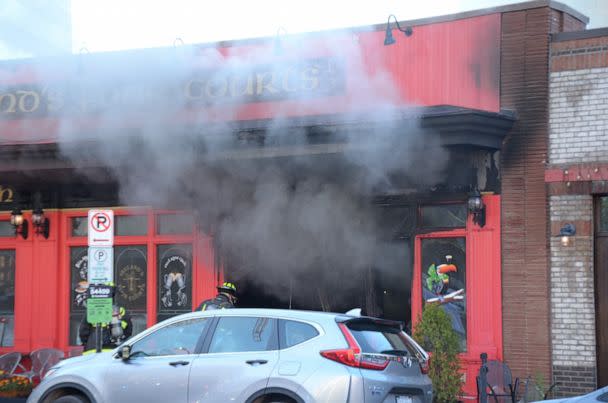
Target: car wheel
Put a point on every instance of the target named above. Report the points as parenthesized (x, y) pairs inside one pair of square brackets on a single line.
[(71, 399)]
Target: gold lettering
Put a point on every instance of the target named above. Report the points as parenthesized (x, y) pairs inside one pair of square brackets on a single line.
[(216, 87), (237, 91), (194, 89), (262, 85), (310, 78), (12, 103), (6, 195), (286, 80), (23, 96)]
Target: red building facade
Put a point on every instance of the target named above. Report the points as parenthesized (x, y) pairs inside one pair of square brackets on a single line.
[(463, 87)]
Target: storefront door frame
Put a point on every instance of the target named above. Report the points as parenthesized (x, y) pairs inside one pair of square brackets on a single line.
[(483, 289)]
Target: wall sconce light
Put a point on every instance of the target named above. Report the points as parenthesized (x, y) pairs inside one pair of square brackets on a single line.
[(388, 36), (19, 222), (40, 223), (477, 208), (566, 233)]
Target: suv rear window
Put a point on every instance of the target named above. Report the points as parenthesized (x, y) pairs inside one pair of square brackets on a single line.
[(292, 333), (378, 339)]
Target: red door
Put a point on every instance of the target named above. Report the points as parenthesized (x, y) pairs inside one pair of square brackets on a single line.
[(477, 316)]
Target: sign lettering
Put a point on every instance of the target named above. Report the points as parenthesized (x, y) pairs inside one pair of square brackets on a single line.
[(99, 304), (6, 194), (258, 83)]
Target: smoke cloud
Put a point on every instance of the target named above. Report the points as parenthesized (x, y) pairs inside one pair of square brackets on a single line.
[(288, 204)]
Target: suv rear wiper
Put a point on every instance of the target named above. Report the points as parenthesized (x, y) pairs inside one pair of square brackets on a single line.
[(402, 353)]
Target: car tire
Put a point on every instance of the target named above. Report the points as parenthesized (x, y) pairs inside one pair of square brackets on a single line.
[(274, 399), (71, 399)]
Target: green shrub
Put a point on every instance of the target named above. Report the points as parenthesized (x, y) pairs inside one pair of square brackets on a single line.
[(434, 332)]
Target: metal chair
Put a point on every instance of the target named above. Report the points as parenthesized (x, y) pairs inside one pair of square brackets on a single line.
[(534, 392), (500, 385), (8, 363), (42, 360)]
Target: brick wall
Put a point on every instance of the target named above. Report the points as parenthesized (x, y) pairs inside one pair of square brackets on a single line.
[(578, 106), (578, 166), (572, 297)]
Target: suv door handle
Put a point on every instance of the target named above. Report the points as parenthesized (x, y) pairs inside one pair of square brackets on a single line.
[(176, 363), (256, 362)]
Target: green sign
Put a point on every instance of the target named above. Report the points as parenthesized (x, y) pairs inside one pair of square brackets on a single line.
[(99, 310)]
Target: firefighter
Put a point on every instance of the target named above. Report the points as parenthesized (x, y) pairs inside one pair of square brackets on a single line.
[(225, 299), (118, 330)]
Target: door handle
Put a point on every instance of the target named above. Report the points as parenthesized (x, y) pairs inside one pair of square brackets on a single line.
[(256, 362), (177, 363)]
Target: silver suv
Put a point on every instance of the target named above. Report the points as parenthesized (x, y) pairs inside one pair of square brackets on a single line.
[(252, 356)]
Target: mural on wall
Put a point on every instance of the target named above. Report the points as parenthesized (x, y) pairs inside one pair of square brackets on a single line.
[(444, 279)]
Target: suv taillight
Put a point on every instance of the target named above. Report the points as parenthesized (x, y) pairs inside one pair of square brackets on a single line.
[(425, 365), (352, 355)]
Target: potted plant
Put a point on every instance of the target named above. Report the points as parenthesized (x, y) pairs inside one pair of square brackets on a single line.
[(434, 333), (14, 386)]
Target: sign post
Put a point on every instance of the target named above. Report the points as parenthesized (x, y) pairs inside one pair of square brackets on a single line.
[(100, 271)]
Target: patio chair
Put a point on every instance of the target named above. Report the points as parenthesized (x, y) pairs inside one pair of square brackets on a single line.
[(8, 363), (534, 392), (42, 360), (501, 388)]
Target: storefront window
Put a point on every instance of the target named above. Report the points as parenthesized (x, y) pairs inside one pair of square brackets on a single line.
[(7, 298), (78, 290), (174, 280), (79, 226), (130, 276), (173, 224), (443, 216), (130, 268), (444, 279), (604, 214), (6, 229), (131, 225), (173, 275)]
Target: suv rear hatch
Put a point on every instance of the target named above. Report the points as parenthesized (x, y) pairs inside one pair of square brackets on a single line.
[(391, 363)]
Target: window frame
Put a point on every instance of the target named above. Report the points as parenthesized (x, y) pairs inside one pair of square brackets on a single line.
[(597, 216), (417, 305), (151, 241), (422, 228), (16, 244)]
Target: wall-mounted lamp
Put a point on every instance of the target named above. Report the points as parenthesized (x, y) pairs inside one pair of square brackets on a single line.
[(388, 36), (40, 223), (566, 233), (19, 222), (477, 208)]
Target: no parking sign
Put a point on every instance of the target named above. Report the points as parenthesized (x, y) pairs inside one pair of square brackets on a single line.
[(101, 228)]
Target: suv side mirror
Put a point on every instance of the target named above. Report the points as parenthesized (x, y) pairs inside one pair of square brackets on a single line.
[(125, 352)]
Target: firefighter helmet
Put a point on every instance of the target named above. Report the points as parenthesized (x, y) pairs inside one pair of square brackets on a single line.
[(227, 287)]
